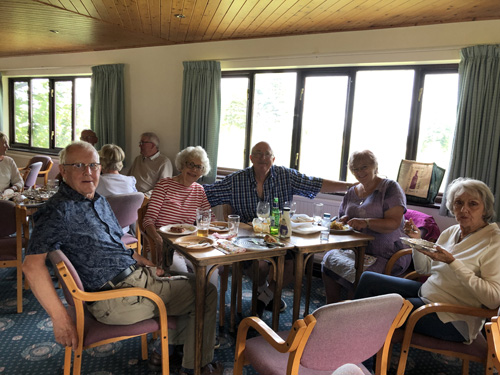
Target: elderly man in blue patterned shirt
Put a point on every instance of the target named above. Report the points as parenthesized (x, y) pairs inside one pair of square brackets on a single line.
[(80, 222), (242, 190)]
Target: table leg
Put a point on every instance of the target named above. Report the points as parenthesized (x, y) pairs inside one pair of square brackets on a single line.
[(255, 286), (277, 293), (309, 271), (234, 295), (359, 263), (299, 274), (201, 283)]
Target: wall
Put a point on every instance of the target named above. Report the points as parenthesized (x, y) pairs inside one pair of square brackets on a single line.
[(153, 76)]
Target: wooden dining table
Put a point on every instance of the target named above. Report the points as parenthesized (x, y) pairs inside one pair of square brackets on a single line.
[(209, 260), (306, 245)]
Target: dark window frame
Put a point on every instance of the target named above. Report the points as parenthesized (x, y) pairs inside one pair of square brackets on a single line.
[(303, 73), (52, 150)]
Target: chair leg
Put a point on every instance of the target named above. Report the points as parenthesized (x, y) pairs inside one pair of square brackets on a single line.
[(144, 347), (67, 360), (19, 289), (77, 362), (402, 360), (222, 295), (465, 366)]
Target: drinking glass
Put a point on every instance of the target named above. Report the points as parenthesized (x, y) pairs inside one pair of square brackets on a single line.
[(318, 213), (234, 224), (263, 212), (203, 218), (292, 206)]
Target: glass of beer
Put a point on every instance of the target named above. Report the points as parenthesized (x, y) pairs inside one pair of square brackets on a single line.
[(203, 218)]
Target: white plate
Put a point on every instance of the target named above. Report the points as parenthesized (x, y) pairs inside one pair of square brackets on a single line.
[(195, 242), (307, 228), (190, 229), (419, 244), (219, 226), (347, 229)]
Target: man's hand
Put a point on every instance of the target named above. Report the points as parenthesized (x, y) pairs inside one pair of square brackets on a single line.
[(65, 331)]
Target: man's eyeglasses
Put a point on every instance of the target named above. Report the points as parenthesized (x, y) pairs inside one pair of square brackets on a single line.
[(192, 165), (259, 154), (144, 142), (80, 167)]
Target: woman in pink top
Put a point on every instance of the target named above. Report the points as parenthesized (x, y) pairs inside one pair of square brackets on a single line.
[(175, 199)]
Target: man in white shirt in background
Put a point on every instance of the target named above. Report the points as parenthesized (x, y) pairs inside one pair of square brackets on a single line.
[(150, 166)]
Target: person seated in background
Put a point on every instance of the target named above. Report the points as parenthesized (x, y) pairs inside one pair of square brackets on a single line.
[(10, 178), (429, 229), (89, 136), (264, 181), (463, 266), (82, 225), (150, 166), (175, 199), (375, 206), (111, 181)]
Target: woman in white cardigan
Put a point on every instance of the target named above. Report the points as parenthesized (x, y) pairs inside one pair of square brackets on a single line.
[(10, 178), (464, 266)]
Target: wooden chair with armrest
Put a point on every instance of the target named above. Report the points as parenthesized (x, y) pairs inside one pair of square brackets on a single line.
[(13, 220), (343, 332), (476, 351), (45, 168), (92, 333)]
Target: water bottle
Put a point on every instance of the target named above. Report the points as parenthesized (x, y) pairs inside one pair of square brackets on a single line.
[(275, 218), (325, 233), (285, 224)]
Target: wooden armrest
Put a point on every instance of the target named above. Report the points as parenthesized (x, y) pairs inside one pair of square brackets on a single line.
[(442, 307), (394, 258)]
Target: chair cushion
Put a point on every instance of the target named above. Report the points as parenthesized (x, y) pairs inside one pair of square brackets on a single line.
[(266, 360), (8, 248), (478, 348), (128, 239), (96, 331)]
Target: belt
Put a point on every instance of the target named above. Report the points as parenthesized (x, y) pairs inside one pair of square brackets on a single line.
[(111, 284)]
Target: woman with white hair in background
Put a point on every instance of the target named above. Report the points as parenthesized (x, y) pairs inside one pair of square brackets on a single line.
[(10, 178), (112, 182)]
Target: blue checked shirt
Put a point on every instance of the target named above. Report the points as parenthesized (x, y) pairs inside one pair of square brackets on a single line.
[(239, 189), (86, 231)]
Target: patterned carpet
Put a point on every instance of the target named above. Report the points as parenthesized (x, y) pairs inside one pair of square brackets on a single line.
[(28, 347)]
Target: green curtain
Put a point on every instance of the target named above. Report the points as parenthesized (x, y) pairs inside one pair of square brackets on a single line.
[(476, 145), (201, 103), (107, 105), (1, 104)]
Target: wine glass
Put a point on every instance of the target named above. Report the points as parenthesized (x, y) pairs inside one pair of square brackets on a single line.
[(263, 212), (292, 206)]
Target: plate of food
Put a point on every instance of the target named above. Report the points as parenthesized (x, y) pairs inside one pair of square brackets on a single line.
[(419, 243), (219, 226), (178, 229), (195, 242), (336, 227)]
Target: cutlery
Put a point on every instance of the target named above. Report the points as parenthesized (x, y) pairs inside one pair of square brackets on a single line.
[(222, 250)]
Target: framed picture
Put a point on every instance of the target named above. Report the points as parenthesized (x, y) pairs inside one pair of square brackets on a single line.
[(420, 181)]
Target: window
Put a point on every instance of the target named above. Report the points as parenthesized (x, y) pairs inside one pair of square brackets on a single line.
[(47, 113), (315, 118)]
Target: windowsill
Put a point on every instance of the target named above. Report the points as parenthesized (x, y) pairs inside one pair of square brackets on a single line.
[(34, 151)]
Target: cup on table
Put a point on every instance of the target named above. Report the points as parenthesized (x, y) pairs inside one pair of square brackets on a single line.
[(203, 218), (318, 213), (234, 224)]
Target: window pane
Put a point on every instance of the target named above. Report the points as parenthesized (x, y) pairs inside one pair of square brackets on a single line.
[(82, 102), (40, 113), (63, 113), (233, 122), (274, 102), (21, 113), (438, 119), (323, 125), (382, 103)]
